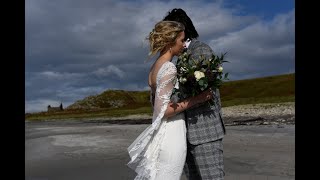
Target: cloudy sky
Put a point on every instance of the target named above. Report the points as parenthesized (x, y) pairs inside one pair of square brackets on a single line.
[(78, 48)]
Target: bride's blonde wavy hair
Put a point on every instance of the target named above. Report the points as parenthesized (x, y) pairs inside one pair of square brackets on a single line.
[(164, 33)]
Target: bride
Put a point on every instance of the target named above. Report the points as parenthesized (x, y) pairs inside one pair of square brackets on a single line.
[(159, 152)]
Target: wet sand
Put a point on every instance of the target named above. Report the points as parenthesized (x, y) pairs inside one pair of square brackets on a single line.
[(85, 150)]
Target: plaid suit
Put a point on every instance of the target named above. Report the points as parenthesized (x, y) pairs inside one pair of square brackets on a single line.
[(205, 131)]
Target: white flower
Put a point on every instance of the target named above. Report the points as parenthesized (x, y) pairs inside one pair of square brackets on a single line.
[(220, 69), (198, 75), (182, 80)]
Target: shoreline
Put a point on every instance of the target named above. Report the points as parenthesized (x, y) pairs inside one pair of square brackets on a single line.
[(250, 114)]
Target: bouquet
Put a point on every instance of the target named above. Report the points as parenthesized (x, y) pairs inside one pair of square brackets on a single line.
[(197, 76)]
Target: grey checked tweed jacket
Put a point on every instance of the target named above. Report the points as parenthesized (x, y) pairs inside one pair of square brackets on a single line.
[(204, 122)]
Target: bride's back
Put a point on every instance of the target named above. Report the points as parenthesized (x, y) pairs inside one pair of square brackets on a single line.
[(152, 78)]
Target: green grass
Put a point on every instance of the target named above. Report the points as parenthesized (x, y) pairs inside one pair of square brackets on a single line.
[(273, 89)]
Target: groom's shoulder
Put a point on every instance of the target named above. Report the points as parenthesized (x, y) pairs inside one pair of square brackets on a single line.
[(200, 44)]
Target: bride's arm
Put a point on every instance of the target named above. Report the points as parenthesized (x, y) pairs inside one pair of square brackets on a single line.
[(165, 85), (175, 108)]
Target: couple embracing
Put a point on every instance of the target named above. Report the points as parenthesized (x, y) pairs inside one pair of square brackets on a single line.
[(185, 136)]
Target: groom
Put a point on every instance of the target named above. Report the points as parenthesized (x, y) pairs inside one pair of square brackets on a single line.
[(205, 127)]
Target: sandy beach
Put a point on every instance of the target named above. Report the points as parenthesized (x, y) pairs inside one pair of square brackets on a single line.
[(258, 145)]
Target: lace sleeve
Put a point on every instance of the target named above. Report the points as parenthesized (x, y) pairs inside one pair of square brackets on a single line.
[(166, 80), (144, 151)]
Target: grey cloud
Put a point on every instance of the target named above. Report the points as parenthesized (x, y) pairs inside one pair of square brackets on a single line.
[(110, 71), (260, 49), (79, 48)]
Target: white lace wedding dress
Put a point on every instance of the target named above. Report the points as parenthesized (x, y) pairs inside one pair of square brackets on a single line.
[(159, 152)]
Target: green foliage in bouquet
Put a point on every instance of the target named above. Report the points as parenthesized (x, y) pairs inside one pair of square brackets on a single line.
[(197, 76)]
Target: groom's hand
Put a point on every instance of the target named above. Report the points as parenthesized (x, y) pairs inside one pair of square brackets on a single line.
[(206, 95)]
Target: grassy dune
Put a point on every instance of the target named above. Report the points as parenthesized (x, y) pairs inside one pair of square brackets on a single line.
[(271, 89), (115, 103)]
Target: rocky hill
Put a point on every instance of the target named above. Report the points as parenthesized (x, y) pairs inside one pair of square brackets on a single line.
[(280, 88), (113, 99)]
